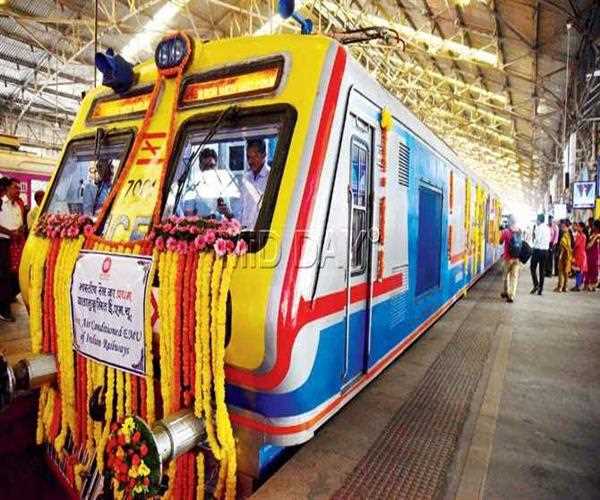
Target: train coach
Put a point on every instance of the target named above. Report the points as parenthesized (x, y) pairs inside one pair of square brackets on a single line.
[(32, 171), (364, 229)]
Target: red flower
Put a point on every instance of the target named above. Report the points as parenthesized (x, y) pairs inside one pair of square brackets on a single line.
[(132, 483), (124, 468), (121, 439), (135, 460), (112, 443), (146, 481), (114, 427), (122, 478), (143, 450)]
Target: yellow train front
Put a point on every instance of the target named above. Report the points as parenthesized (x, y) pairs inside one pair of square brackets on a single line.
[(239, 237)]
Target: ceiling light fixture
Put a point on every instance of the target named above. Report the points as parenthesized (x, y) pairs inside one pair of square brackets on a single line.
[(144, 40)]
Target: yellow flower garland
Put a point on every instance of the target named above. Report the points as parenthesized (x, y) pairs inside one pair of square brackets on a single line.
[(42, 247), (68, 253), (213, 277)]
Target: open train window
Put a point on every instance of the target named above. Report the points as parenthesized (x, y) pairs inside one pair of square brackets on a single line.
[(359, 175), (233, 170), (87, 173)]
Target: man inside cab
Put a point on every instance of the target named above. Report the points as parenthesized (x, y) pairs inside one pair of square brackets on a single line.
[(254, 182), (96, 191), (202, 199)]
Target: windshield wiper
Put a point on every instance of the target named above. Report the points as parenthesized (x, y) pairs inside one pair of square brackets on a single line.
[(231, 110)]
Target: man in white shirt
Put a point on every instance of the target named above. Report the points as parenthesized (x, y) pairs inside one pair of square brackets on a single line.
[(254, 182), (204, 200), (12, 225), (541, 243)]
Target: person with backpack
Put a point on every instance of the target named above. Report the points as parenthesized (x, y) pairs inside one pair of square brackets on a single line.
[(541, 243), (512, 239)]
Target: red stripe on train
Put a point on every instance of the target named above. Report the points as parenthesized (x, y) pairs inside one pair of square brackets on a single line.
[(291, 318)]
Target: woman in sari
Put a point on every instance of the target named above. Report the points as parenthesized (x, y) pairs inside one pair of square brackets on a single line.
[(579, 256), (565, 257), (592, 252)]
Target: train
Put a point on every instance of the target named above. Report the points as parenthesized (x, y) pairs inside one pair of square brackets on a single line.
[(366, 228), (32, 171)]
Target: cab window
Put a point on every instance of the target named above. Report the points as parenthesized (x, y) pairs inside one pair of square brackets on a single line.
[(231, 172), (87, 174)]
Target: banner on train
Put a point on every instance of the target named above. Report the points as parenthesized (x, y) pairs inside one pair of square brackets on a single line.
[(584, 194), (107, 306)]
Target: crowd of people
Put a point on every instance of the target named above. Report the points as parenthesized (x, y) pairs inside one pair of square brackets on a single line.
[(16, 219), (564, 250)]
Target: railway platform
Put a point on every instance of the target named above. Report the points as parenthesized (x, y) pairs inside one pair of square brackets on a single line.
[(496, 400)]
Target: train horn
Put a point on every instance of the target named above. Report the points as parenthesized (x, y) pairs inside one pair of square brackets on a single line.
[(26, 375), (177, 434)]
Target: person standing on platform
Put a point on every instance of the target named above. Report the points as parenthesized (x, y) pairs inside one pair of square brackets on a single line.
[(541, 244), (579, 255), (553, 242), (564, 253), (592, 254), (511, 237), (12, 239), (34, 212)]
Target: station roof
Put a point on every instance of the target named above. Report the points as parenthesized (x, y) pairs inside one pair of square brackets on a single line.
[(487, 75)]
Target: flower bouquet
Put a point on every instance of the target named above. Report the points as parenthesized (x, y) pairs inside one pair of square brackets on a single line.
[(133, 465), (196, 234), (63, 225)]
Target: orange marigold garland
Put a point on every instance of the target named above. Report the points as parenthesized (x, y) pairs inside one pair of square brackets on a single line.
[(199, 301)]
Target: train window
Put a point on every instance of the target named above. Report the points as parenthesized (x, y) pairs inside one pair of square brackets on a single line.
[(429, 241), (359, 174), (86, 175), (235, 173)]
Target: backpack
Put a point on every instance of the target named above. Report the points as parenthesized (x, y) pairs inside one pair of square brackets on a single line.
[(525, 252), (515, 244)]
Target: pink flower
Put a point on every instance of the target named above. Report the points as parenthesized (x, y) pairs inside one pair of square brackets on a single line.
[(167, 227), (160, 244), (210, 237), (220, 247), (63, 233), (82, 219), (171, 244), (73, 232), (88, 230), (241, 248), (230, 245), (233, 227), (151, 235), (173, 231), (194, 230), (199, 243), (182, 247)]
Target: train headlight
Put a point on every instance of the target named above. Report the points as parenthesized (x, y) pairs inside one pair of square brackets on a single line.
[(172, 54)]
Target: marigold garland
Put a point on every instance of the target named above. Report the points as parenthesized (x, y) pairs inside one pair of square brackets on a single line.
[(194, 263)]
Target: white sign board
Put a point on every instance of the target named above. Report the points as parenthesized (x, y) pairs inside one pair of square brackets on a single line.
[(584, 194), (107, 307)]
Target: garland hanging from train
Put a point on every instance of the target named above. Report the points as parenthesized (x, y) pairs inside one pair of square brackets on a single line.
[(194, 260)]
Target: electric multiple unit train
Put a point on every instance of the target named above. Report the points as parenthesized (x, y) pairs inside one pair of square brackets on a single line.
[(368, 230)]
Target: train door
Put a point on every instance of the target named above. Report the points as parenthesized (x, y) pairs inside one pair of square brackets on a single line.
[(358, 142)]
